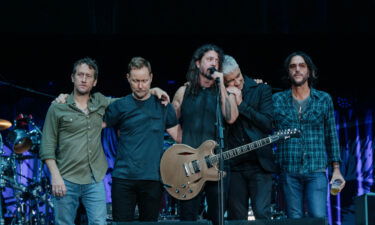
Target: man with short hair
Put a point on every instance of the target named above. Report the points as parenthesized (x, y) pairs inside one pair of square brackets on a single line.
[(251, 173), (71, 147), (142, 121)]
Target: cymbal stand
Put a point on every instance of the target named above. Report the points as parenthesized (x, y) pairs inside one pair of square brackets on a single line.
[(41, 191), (20, 213), (2, 222)]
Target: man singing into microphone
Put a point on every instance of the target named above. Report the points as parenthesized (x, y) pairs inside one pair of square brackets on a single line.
[(195, 105)]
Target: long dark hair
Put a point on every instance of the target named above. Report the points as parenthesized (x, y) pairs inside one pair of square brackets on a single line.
[(310, 64), (192, 75)]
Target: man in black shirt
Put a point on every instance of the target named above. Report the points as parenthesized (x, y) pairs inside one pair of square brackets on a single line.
[(251, 174), (141, 120), (195, 106)]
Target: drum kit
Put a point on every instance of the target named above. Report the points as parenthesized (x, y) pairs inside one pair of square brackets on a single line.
[(24, 186)]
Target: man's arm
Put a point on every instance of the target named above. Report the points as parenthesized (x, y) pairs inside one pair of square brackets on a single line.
[(262, 117), (112, 115), (61, 98), (171, 124), (160, 94), (332, 143), (57, 182), (48, 151), (228, 102), (176, 133), (177, 100)]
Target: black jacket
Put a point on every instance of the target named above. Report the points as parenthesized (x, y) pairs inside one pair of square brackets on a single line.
[(256, 119)]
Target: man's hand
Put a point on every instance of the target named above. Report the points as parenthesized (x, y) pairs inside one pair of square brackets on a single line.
[(160, 94), (259, 81), (58, 185), (61, 99), (236, 92), (219, 75), (337, 175)]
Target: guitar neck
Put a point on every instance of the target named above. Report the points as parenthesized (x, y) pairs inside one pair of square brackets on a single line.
[(242, 149)]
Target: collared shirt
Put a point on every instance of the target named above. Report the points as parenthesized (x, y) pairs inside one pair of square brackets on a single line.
[(72, 138), (318, 144)]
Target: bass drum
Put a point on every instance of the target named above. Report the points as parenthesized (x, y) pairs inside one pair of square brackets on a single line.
[(20, 140)]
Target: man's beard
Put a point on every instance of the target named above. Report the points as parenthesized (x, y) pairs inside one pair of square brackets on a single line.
[(299, 83)]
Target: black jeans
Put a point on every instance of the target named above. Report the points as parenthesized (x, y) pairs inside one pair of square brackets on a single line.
[(190, 209), (126, 194), (255, 184)]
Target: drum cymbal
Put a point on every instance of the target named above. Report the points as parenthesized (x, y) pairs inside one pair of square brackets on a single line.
[(4, 124)]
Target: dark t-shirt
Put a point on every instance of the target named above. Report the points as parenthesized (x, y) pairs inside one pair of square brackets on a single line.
[(198, 117), (142, 125)]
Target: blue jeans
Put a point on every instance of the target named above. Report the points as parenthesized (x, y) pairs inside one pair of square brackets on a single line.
[(93, 198), (310, 188)]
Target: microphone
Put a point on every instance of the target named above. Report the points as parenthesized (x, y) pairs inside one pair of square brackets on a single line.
[(211, 71)]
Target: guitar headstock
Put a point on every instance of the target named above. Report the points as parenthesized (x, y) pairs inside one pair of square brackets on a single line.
[(288, 133)]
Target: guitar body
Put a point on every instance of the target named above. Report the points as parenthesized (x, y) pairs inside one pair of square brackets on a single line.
[(184, 169)]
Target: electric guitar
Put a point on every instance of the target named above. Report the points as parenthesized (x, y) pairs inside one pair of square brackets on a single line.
[(184, 170)]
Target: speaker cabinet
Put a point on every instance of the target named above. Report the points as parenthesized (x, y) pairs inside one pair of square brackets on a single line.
[(364, 209)]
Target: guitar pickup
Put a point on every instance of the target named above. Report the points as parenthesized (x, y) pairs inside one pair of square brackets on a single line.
[(191, 168), (186, 169), (196, 167), (208, 161)]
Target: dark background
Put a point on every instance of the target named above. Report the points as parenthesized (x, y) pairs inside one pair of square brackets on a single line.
[(40, 40)]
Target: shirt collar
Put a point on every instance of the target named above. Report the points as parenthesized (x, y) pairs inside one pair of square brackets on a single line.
[(248, 82), (70, 100), (313, 93)]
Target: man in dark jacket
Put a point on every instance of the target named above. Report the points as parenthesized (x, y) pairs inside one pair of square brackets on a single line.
[(251, 173)]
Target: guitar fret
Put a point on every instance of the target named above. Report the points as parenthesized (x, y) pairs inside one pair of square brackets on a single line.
[(247, 148), (242, 149)]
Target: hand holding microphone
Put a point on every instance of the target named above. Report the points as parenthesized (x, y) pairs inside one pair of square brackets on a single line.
[(214, 74), (236, 92)]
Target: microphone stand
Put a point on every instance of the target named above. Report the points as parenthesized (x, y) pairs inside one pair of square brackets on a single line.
[(25, 89), (220, 139)]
